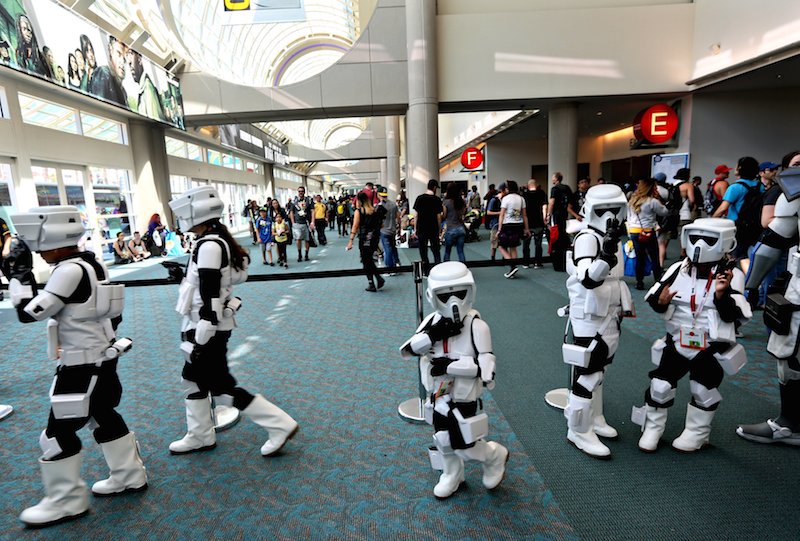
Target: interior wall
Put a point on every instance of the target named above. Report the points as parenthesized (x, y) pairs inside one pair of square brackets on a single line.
[(729, 125), (512, 160)]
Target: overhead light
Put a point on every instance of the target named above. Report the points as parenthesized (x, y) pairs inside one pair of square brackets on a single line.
[(599, 113)]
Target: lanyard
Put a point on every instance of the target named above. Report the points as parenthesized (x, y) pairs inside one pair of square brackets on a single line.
[(697, 309)]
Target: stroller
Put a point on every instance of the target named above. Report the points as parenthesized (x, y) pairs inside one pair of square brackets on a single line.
[(472, 223)]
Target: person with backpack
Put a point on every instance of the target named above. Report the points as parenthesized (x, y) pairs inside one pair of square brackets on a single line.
[(742, 204), (716, 189)]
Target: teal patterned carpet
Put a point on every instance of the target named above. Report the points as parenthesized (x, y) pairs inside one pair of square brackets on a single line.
[(326, 351)]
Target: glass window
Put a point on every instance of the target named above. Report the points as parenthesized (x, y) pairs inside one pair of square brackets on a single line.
[(214, 157), (45, 180), (195, 152), (6, 185), (48, 114), (175, 147), (237, 162), (177, 185), (113, 199), (102, 128), (227, 161), (4, 110)]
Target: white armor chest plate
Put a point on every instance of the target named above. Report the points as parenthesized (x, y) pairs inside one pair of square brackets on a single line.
[(78, 330), (461, 389)]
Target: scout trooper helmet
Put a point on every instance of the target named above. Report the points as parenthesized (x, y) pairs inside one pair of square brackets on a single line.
[(603, 203), (48, 228), (451, 290), (196, 206), (707, 240)]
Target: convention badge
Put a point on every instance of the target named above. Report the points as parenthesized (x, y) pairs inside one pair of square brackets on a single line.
[(692, 337)]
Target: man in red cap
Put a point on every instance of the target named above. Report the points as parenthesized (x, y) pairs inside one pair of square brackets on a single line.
[(716, 189)]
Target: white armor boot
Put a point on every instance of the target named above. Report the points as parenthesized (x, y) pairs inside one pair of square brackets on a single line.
[(601, 427), (5, 411), (493, 456), (66, 495), (127, 472), (279, 424), (654, 423), (200, 434), (698, 429), (452, 475), (580, 427)]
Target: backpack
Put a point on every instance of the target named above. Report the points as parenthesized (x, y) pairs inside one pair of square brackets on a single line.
[(710, 201), (748, 222)]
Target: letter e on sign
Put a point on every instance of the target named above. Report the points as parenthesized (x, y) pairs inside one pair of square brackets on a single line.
[(656, 124), (471, 158)]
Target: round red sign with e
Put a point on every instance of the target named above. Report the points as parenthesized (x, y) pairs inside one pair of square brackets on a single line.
[(656, 124), (472, 158)]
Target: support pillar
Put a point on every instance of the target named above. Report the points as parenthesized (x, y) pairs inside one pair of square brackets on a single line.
[(393, 156), (562, 143), (422, 122), (151, 171)]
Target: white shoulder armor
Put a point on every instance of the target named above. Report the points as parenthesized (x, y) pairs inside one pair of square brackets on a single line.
[(787, 213), (209, 255), (65, 279), (586, 245)]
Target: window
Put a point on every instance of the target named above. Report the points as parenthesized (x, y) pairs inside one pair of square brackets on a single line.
[(177, 185), (4, 111), (48, 114), (113, 201), (195, 152), (175, 147), (237, 162), (214, 157), (45, 180), (285, 174), (102, 128), (227, 161), (6, 185)]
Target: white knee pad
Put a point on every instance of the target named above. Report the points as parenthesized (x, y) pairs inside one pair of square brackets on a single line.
[(661, 391), (189, 387), (590, 382), (50, 446), (785, 373), (703, 396), (477, 452), (578, 414), (441, 440)]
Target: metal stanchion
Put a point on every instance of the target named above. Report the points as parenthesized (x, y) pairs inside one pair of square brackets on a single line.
[(411, 410), (558, 398)]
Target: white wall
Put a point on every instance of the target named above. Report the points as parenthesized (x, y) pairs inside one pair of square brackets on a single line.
[(728, 126), (743, 29), (512, 160)]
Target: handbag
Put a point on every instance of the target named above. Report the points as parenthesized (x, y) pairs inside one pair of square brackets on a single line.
[(646, 236)]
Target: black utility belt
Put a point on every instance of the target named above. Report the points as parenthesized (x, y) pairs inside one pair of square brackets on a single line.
[(778, 313)]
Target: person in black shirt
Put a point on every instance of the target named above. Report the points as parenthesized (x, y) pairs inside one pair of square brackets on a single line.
[(428, 221), (558, 211), (536, 208)]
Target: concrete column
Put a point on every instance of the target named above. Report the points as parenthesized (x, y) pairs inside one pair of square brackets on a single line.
[(384, 180), (422, 124), (150, 171), (393, 156), (562, 143)]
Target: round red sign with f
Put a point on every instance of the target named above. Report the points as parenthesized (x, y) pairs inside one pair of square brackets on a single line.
[(656, 124), (471, 158)]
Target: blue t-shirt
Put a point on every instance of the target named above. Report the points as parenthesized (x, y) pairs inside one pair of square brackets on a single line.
[(264, 226), (735, 196)]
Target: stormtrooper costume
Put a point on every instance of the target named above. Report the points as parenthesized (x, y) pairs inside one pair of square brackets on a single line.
[(456, 363), (82, 311), (207, 305), (782, 313), (597, 301), (701, 308)]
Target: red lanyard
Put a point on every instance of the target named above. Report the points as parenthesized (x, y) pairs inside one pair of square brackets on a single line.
[(693, 298)]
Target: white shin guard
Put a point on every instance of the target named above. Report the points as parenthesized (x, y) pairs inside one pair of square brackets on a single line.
[(580, 425), (279, 424), (452, 476), (696, 434), (127, 472), (66, 495), (654, 423), (200, 434)]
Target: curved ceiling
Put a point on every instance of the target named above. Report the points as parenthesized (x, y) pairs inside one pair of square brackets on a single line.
[(262, 55)]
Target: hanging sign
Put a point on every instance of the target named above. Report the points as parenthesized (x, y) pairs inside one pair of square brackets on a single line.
[(656, 124), (472, 158)]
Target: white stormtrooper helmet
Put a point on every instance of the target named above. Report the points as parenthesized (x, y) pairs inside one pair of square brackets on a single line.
[(196, 206), (48, 228), (603, 203), (707, 240), (451, 289)]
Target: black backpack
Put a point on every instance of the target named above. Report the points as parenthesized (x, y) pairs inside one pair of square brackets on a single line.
[(748, 222)]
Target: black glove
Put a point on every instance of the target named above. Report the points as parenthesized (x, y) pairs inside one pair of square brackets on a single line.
[(18, 265), (444, 328), (175, 270), (608, 251), (439, 366)]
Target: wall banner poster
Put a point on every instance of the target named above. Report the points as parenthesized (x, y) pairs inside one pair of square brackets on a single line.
[(46, 40)]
